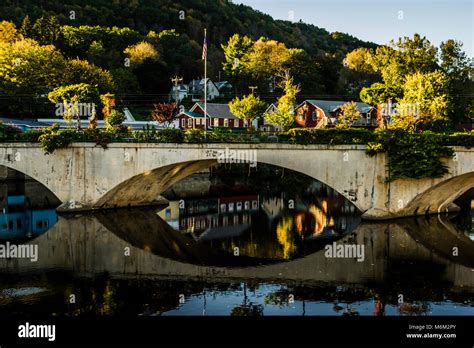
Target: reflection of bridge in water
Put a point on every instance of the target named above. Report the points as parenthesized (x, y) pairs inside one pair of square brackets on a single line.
[(87, 246)]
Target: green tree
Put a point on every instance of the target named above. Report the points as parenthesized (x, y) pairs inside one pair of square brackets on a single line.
[(284, 115), (46, 30), (425, 101), (25, 27), (235, 52), (28, 69), (8, 32), (380, 93), (459, 68), (349, 114), (140, 53), (81, 71), (249, 107), (360, 60), (77, 100)]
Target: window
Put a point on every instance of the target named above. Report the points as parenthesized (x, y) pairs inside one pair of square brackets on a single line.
[(223, 208), (246, 123), (198, 122), (216, 122), (41, 224), (226, 122), (254, 205), (168, 213), (190, 122), (247, 205), (315, 115), (239, 206), (231, 207), (183, 122)]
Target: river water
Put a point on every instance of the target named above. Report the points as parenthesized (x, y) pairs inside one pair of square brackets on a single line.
[(232, 241)]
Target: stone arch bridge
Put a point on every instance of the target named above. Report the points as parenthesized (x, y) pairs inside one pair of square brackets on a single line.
[(87, 177)]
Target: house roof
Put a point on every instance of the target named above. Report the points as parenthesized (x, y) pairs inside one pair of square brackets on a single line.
[(216, 110), (26, 123), (221, 84), (271, 106), (198, 85), (329, 106), (181, 88), (193, 114)]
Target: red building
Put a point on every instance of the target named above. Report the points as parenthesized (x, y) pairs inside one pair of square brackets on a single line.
[(218, 115), (324, 113)]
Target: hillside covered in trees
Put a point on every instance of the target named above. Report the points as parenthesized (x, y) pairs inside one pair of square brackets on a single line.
[(162, 38), (83, 49)]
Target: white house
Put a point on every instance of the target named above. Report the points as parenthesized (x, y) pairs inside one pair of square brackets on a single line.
[(196, 90), (181, 91)]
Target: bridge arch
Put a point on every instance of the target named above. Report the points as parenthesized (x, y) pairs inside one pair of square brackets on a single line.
[(143, 189), (440, 198), (44, 182)]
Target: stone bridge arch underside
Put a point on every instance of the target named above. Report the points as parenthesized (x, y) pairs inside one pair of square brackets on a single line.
[(86, 177)]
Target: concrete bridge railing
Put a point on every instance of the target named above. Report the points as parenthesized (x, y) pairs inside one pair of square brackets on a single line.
[(86, 177)]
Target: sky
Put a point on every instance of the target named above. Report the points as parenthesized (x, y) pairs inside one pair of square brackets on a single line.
[(380, 21)]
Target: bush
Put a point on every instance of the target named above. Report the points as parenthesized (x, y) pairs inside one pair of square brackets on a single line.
[(53, 139), (412, 155), (329, 136), (195, 135), (170, 135), (152, 135), (115, 119)]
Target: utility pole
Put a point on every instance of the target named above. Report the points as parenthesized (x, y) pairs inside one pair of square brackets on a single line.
[(176, 80), (253, 88)]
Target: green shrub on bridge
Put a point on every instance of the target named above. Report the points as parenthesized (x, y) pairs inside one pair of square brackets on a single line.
[(152, 135), (459, 139), (412, 155), (330, 136), (53, 138)]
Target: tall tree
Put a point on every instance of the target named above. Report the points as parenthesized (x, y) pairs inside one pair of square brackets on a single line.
[(284, 115), (46, 30)]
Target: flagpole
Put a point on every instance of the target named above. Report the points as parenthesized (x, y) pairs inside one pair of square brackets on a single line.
[(205, 86)]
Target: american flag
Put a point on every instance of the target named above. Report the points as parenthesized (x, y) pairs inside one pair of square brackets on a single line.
[(204, 47)]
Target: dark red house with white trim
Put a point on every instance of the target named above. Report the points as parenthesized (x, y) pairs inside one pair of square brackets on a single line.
[(324, 113)]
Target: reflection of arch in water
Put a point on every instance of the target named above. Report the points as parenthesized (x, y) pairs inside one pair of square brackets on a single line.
[(144, 229), (439, 235)]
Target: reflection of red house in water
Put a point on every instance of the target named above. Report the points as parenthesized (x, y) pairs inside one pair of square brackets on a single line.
[(219, 217)]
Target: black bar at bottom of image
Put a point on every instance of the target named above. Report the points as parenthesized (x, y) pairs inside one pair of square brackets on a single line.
[(241, 330)]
